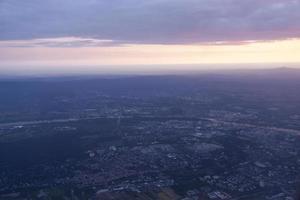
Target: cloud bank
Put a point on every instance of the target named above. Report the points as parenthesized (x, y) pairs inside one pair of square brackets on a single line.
[(149, 21), (68, 42)]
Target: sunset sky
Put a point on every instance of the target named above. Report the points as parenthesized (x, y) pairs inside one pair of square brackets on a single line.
[(122, 34)]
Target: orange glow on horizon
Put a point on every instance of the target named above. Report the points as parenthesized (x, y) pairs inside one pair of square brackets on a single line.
[(285, 51)]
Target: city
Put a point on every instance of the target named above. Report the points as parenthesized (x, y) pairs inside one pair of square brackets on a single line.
[(114, 141)]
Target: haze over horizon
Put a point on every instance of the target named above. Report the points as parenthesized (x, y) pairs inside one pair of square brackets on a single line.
[(84, 36)]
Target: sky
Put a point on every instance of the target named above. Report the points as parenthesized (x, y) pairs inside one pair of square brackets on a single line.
[(79, 35)]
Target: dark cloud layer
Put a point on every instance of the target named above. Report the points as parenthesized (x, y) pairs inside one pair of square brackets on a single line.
[(151, 21)]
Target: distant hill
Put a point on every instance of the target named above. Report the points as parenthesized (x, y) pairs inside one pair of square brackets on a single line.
[(282, 72)]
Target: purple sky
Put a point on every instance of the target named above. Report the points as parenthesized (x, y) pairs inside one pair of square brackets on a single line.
[(151, 21), (117, 35)]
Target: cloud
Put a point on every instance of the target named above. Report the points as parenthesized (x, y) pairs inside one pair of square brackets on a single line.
[(68, 42), (150, 22)]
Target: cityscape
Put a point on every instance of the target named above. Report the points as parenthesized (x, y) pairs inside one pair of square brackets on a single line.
[(186, 137), (149, 100)]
